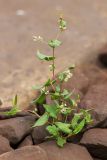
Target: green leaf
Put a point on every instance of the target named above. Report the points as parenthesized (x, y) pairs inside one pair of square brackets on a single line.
[(79, 127), (54, 43), (40, 99), (44, 57), (47, 83), (53, 81), (61, 141), (12, 112), (75, 120), (65, 92), (58, 88), (14, 101), (55, 95), (72, 102), (88, 118), (64, 127), (87, 115), (42, 120), (72, 67), (53, 130), (51, 109), (68, 96)]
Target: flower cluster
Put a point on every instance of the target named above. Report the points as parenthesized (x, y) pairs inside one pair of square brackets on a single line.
[(38, 38), (62, 24), (68, 75)]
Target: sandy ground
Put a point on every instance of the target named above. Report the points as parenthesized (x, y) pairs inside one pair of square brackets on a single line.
[(21, 19)]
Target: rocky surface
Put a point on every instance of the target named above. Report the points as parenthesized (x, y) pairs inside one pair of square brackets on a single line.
[(4, 145), (15, 129), (103, 59), (96, 142), (94, 73), (79, 81), (26, 142), (25, 153), (96, 100), (92, 84), (85, 39), (39, 134), (70, 151)]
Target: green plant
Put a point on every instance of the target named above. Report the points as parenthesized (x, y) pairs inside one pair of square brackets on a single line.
[(14, 110), (62, 116)]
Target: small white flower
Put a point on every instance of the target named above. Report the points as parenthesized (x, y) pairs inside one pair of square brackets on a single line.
[(61, 106), (69, 75), (43, 89), (51, 67), (66, 79), (63, 110), (47, 92), (68, 71), (40, 38), (35, 109), (37, 38)]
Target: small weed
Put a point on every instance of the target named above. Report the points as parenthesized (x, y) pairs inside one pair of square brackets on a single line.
[(14, 110), (64, 102)]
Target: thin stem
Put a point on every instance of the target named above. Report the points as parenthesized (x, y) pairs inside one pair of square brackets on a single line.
[(34, 113), (65, 118), (53, 87), (53, 70)]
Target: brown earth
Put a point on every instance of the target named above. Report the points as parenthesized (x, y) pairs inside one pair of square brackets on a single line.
[(21, 19)]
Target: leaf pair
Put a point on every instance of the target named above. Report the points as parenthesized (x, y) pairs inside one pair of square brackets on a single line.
[(52, 43)]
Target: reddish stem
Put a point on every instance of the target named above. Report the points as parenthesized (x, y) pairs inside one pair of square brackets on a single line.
[(53, 63)]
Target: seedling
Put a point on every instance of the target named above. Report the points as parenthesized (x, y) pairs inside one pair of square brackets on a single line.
[(63, 118), (14, 110)]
